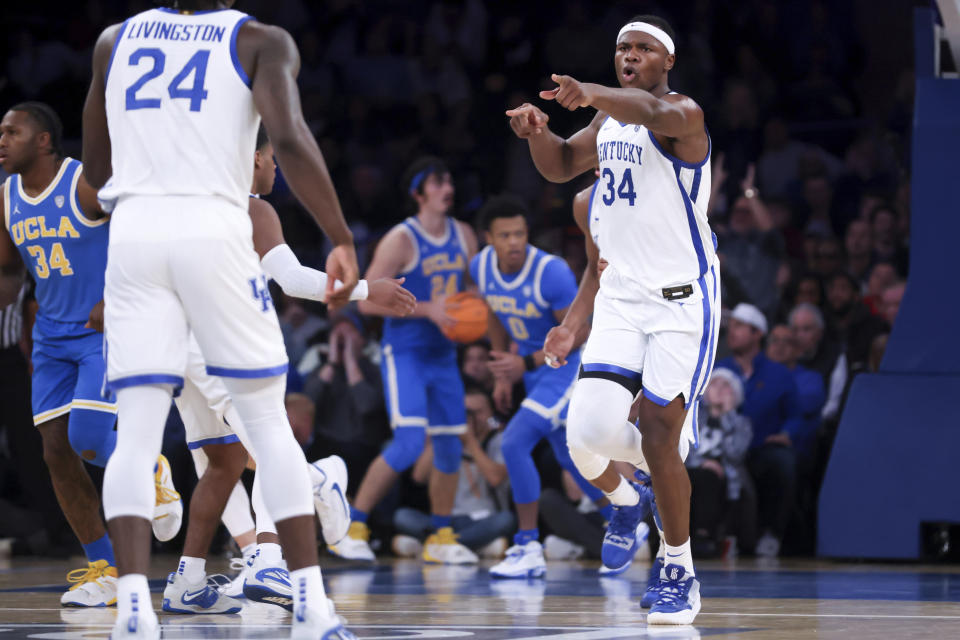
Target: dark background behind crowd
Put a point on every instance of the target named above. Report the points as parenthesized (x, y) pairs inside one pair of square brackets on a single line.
[(809, 108)]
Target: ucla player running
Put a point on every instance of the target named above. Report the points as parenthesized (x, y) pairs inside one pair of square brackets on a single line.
[(172, 111), (528, 291), (420, 375), (655, 313), (52, 218)]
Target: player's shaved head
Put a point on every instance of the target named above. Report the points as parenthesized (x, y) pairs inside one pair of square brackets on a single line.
[(46, 120)]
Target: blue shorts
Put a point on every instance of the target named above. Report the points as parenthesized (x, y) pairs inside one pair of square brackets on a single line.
[(424, 390), (549, 390), (68, 370)]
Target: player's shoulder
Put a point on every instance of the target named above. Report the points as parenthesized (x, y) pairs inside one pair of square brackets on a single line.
[(260, 207)]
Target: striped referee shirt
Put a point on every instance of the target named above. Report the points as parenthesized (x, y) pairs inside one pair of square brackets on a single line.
[(11, 321)]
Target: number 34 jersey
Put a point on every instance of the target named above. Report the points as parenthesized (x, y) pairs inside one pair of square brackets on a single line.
[(653, 210), (179, 107), (65, 251)]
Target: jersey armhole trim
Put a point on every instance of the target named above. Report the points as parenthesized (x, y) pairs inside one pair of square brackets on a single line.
[(675, 160), (459, 233), (233, 50), (538, 278), (6, 202), (75, 204), (415, 260), (482, 258), (113, 51)]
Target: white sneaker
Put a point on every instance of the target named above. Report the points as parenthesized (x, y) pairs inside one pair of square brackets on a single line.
[(522, 561), (95, 586), (309, 624), (355, 545), (181, 596), (495, 549), (405, 546), (329, 479), (168, 511), (442, 547), (268, 583), (768, 546), (557, 548), (137, 626), (234, 588)]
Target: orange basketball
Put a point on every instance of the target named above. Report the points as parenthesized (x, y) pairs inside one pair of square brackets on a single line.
[(470, 312)]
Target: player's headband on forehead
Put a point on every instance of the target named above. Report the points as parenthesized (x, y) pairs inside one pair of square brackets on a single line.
[(419, 177), (646, 27)]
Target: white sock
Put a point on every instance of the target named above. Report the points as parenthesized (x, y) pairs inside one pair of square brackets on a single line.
[(308, 590), (133, 597), (661, 547), (624, 495), (193, 569), (679, 555), (271, 553)]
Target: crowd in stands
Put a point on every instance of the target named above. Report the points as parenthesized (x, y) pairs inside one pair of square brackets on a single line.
[(810, 203)]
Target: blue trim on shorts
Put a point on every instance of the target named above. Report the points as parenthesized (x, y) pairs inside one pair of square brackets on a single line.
[(612, 368), (233, 50), (221, 440), (655, 398), (147, 378), (267, 372)]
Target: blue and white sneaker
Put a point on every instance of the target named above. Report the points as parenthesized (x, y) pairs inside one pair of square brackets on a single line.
[(522, 561), (653, 584), (679, 598), (268, 583), (643, 532), (620, 540), (180, 596), (329, 479)]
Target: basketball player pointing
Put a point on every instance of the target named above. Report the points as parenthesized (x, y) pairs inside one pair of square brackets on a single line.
[(656, 310)]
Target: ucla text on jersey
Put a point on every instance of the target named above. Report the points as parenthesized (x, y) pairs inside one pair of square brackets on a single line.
[(436, 271), (65, 251)]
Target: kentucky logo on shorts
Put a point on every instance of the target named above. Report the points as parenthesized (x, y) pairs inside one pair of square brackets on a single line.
[(261, 292)]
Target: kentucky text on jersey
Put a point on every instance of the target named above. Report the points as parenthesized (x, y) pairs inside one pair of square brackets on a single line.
[(157, 30), (619, 150), (36, 227)]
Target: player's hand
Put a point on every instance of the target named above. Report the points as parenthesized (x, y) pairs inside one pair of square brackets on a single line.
[(527, 120), (342, 266), (437, 312), (502, 395), (557, 346), (388, 293), (571, 93), (781, 439), (508, 366), (95, 321)]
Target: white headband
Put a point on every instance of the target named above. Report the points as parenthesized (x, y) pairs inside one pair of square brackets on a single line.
[(646, 27)]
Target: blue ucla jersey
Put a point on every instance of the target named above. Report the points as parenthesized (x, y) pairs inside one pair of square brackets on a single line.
[(525, 302), (65, 251), (436, 271)]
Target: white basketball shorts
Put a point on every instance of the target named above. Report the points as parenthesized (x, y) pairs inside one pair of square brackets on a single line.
[(668, 344), (202, 403), (181, 263)]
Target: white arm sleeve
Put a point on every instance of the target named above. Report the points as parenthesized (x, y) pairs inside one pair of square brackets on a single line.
[(299, 281)]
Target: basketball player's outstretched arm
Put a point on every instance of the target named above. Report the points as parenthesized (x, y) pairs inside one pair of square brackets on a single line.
[(557, 159), (280, 263), (96, 135), (562, 339), (270, 58), (673, 116), (11, 266)]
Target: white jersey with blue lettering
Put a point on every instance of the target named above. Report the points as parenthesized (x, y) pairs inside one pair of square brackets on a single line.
[(179, 107), (653, 206)]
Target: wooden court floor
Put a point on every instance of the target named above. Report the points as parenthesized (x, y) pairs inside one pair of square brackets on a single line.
[(399, 600)]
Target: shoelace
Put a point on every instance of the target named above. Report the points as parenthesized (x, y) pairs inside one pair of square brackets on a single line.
[(620, 525), (218, 580), (671, 591), (165, 495), (237, 564), (514, 553), (447, 536), (81, 577)]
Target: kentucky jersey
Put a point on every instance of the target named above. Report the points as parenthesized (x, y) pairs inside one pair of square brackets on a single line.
[(436, 271), (593, 215), (65, 251), (179, 107), (525, 302), (654, 209)]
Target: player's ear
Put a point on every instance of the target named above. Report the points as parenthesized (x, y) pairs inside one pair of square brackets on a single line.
[(257, 159), (669, 61), (43, 140), (488, 237)]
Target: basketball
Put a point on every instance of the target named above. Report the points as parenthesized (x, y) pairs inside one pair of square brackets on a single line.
[(470, 312)]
